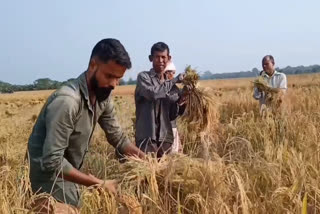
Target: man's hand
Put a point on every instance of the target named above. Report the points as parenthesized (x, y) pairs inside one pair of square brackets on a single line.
[(184, 94), (259, 90), (133, 150), (179, 78), (182, 100), (109, 185), (186, 90), (276, 90)]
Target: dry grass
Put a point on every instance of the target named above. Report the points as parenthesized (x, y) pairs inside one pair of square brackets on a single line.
[(248, 164)]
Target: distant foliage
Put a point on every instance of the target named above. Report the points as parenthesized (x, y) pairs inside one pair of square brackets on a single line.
[(39, 84), (131, 81), (47, 84), (255, 72)]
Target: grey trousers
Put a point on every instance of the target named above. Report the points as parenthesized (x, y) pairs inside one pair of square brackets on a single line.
[(152, 146)]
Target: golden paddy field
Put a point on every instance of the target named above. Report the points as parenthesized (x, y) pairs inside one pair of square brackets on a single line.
[(252, 164)]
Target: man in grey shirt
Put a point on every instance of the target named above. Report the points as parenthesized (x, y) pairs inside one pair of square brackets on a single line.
[(60, 138), (157, 104)]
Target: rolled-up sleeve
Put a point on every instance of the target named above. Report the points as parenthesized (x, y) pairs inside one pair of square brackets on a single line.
[(150, 91), (112, 129), (59, 117), (174, 94)]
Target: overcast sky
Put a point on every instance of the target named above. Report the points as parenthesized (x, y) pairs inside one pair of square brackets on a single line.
[(54, 38)]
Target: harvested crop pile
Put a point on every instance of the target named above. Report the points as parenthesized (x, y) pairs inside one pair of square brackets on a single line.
[(201, 111)]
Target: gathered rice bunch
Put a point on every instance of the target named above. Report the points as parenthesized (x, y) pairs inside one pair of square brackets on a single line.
[(174, 182), (95, 200), (273, 98), (261, 84), (201, 111), (191, 78), (201, 117)]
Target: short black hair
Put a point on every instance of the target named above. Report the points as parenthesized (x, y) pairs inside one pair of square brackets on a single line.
[(159, 46), (268, 57), (111, 49)]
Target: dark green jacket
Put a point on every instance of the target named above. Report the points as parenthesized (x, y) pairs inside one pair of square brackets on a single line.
[(61, 136)]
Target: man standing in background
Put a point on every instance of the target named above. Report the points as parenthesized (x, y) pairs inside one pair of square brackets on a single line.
[(275, 80), (156, 107)]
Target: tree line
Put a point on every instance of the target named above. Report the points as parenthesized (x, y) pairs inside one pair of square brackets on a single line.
[(39, 84), (46, 83), (207, 75)]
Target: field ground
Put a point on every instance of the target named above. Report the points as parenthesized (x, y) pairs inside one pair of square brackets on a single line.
[(254, 164)]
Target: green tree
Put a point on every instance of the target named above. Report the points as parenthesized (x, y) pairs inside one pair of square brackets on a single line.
[(44, 83), (131, 81), (122, 82)]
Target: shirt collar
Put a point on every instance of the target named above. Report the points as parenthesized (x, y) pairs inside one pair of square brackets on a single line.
[(84, 87), (275, 73), (153, 73)]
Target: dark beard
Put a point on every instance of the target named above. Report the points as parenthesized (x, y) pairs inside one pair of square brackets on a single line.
[(102, 93)]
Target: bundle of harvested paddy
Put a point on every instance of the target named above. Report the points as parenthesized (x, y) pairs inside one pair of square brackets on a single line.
[(272, 95), (262, 85), (191, 77), (201, 112), (171, 182), (174, 184)]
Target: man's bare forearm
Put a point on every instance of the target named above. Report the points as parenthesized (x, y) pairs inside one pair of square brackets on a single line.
[(78, 177)]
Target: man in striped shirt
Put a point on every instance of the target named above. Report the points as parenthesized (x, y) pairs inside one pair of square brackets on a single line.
[(274, 79)]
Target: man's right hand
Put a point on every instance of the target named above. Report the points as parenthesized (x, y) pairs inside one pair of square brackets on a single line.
[(186, 89), (109, 185), (179, 78), (259, 90)]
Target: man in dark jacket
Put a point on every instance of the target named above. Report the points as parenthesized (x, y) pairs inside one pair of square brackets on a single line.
[(156, 104)]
